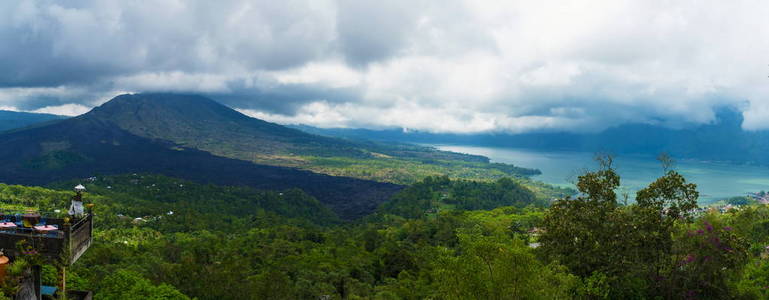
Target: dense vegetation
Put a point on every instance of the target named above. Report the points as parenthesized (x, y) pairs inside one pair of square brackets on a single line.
[(439, 238), (434, 194), (404, 170)]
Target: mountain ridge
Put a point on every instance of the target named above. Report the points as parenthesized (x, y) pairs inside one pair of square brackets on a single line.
[(90, 145), (201, 123), (197, 121)]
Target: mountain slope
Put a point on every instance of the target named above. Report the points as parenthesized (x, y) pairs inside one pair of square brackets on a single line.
[(193, 137), (86, 146), (197, 122), (201, 123), (14, 119)]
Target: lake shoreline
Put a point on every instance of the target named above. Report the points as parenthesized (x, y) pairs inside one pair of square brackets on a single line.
[(716, 180)]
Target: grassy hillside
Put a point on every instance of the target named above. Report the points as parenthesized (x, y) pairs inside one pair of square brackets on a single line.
[(197, 122)]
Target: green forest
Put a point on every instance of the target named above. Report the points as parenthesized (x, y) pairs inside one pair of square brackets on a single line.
[(158, 237)]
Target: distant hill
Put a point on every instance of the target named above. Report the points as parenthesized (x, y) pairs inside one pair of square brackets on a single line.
[(196, 138), (14, 119), (722, 140), (92, 144), (197, 122)]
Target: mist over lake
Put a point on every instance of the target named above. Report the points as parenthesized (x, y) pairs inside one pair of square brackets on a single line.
[(715, 180)]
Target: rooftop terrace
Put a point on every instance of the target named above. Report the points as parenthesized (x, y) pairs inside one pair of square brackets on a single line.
[(53, 238)]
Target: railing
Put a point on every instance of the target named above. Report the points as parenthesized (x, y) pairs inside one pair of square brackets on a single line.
[(69, 241), (80, 235)]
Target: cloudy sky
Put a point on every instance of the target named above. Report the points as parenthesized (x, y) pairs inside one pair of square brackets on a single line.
[(440, 66)]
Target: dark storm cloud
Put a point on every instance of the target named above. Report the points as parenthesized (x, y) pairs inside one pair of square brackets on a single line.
[(45, 101), (50, 43), (95, 45), (455, 65), (284, 99), (374, 30)]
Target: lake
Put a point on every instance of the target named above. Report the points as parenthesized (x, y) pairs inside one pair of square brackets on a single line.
[(715, 180)]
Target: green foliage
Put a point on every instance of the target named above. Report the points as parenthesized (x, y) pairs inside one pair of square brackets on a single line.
[(671, 194), (707, 256), (383, 257), (434, 194), (128, 285), (18, 267), (754, 283), (56, 160), (13, 275), (49, 275), (582, 233), (407, 170), (476, 241), (741, 200), (638, 251), (496, 267), (599, 186), (271, 284), (193, 204), (18, 198), (596, 286), (752, 223)]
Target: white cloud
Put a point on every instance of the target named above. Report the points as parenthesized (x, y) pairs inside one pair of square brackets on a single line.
[(456, 65), (408, 115), (330, 74), (70, 109), (174, 81), (316, 113)]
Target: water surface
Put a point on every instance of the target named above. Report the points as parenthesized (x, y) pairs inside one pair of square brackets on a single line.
[(715, 180)]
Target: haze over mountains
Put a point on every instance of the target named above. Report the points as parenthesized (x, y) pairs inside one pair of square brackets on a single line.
[(722, 140), (14, 119)]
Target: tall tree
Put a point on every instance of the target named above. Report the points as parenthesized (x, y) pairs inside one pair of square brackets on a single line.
[(628, 249)]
